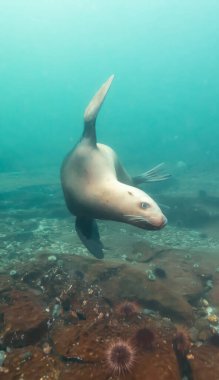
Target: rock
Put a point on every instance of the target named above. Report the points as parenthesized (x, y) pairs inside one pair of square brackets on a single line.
[(141, 252), (2, 357), (205, 364), (161, 365), (13, 273), (6, 283), (87, 292), (133, 284), (37, 366), (214, 293), (25, 321), (87, 343), (171, 294), (52, 258)]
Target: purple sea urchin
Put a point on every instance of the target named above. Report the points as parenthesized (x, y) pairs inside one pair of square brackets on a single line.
[(128, 309), (144, 339), (181, 341), (120, 356)]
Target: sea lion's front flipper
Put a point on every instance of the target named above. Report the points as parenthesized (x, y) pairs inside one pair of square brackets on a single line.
[(155, 174), (87, 231), (92, 110)]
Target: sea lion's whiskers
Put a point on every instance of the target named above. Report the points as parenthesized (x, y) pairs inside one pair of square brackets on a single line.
[(135, 218)]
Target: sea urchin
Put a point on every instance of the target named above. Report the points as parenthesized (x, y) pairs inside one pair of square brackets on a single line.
[(181, 341), (128, 309), (144, 339), (120, 356)]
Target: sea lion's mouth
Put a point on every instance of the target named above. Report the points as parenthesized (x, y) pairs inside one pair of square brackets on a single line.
[(143, 223)]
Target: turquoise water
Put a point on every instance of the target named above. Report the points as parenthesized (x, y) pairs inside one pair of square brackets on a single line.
[(61, 309), (163, 104)]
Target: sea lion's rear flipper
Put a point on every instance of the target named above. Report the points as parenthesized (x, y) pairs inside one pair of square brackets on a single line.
[(87, 231), (155, 174), (92, 110)]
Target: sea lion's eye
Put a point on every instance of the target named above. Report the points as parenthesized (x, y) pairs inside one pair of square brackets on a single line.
[(144, 205)]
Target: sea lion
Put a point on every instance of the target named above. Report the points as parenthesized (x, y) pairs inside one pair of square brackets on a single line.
[(96, 186)]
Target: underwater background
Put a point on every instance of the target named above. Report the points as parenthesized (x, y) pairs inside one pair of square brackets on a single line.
[(150, 309), (163, 103)]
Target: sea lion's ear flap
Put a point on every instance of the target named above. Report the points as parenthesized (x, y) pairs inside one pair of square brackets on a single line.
[(92, 110), (87, 231)]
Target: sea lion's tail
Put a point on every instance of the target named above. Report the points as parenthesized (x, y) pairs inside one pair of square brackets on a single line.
[(92, 110)]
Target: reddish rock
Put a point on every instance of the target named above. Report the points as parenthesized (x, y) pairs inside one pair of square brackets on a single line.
[(88, 292), (32, 364), (205, 364), (161, 365), (131, 282), (87, 343), (75, 341), (25, 321), (116, 281), (85, 371), (172, 293), (82, 343)]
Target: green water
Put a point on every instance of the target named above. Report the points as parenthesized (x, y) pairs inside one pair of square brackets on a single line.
[(162, 106), (164, 101)]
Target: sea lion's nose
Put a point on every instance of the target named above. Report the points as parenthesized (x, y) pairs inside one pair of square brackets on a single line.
[(164, 221)]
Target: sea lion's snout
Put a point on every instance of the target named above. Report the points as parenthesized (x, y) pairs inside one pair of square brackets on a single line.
[(153, 215), (157, 221), (163, 221)]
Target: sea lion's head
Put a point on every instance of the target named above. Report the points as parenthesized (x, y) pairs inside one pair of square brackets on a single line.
[(140, 210)]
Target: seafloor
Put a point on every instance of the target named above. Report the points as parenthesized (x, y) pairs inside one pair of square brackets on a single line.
[(61, 310)]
